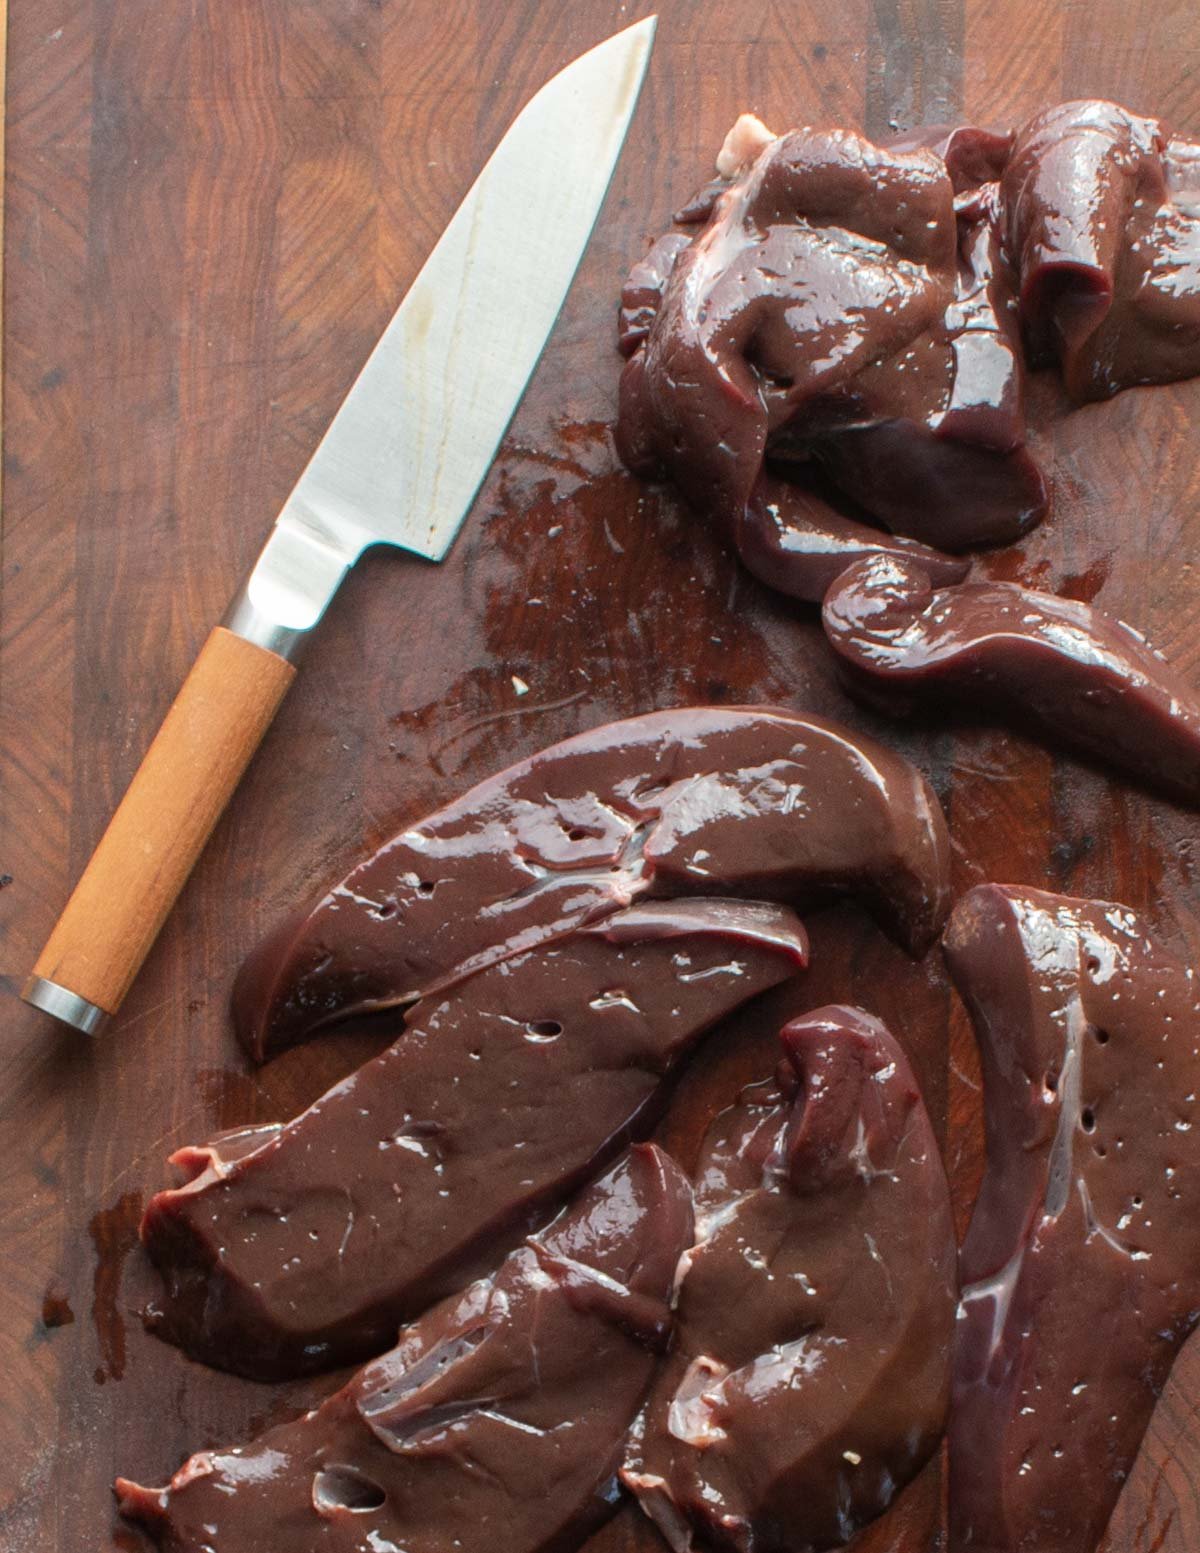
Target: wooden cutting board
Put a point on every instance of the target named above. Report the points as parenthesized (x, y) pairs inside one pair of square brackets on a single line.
[(213, 207)]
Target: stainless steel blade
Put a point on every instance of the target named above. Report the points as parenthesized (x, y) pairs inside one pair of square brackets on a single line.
[(404, 456)]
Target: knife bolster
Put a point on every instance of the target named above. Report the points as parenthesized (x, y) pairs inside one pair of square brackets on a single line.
[(291, 586)]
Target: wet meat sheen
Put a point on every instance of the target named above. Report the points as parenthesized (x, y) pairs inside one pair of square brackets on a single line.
[(811, 1370), (859, 309), (844, 307), (1081, 1267), (497, 1420), (1103, 216), (1066, 672), (301, 1246), (795, 540), (705, 800)]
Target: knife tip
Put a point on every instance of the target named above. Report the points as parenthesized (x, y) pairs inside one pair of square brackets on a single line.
[(641, 32)]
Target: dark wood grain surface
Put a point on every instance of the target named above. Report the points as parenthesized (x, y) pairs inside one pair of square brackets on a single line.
[(213, 206)]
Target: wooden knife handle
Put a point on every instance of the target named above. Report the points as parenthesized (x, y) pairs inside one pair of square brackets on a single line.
[(153, 840)]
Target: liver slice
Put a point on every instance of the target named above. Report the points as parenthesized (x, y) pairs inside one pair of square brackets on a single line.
[(747, 801), (497, 1420), (302, 1246), (1081, 1267), (1065, 672), (811, 1370)]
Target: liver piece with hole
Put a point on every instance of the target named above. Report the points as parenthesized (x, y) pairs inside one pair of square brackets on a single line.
[(1081, 1267), (746, 801), (811, 1369), (496, 1422), (1063, 671), (302, 1246)]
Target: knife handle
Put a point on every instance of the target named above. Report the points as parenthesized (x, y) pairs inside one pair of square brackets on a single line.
[(177, 796)]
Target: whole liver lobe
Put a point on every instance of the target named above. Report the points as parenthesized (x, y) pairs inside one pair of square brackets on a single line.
[(861, 313), (845, 309), (1102, 213)]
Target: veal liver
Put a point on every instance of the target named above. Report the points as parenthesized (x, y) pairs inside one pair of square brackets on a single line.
[(863, 313), (496, 1422), (304, 1245), (1066, 672), (811, 1370), (749, 801), (1081, 1266)]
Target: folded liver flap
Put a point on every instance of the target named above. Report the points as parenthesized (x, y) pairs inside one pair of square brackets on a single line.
[(810, 1374)]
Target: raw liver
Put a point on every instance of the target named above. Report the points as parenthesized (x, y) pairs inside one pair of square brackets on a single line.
[(793, 538), (845, 306), (223, 333), (497, 1420), (1103, 217), (302, 1246), (859, 307), (812, 1364), (1081, 1267), (1068, 673), (707, 800)]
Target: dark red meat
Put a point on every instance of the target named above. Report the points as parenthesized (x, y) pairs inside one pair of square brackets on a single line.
[(1103, 220), (496, 1422), (793, 538), (1081, 1267), (302, 1246), (1068, 673), (705, 800), (858, 309), (811, 1370), (844, 307)]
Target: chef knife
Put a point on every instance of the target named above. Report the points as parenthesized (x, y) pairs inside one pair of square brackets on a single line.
[(399, 465)]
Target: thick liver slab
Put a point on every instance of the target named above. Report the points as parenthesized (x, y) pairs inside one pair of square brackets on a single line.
[(497, 1421), (811, 1370), (302, 1246), (1081, 1267), (745, 801)]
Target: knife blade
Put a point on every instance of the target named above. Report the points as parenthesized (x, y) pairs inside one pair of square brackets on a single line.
[(400, 465)]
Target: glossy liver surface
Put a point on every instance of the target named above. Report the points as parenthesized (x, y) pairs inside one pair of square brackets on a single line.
[(811, 1369), (864, 308), (1062, 670), (300, 1246), (211, 211), (497, 1420), (703, 800), (1081, 1267)]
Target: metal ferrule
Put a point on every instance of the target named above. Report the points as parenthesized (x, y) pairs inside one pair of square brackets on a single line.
[(64, 1005)]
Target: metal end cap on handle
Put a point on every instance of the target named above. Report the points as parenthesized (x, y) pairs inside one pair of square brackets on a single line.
[(68, 1007)]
